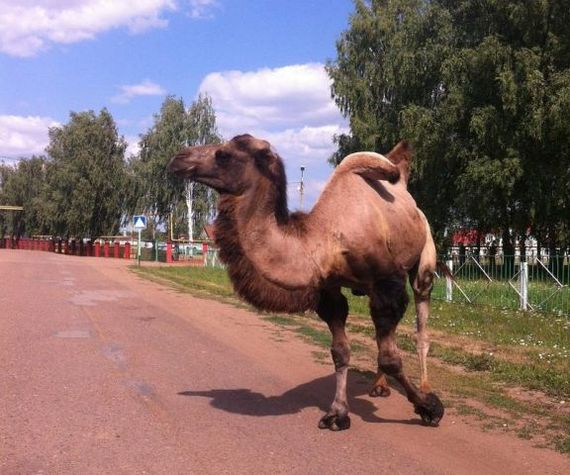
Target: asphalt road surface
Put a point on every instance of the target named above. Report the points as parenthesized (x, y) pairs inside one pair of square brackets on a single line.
[(102, 372)]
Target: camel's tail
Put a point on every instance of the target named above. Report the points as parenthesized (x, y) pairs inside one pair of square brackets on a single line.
[(443, 270)]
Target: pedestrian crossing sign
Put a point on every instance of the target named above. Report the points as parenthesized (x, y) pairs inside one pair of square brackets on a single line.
[(139, 222)]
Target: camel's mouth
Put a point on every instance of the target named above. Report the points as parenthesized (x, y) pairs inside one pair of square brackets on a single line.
[(179, 166)]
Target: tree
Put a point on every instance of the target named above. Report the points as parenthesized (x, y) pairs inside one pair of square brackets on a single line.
[(481, 88), (159, 192), (200, 199), (23, 185), (386, 79), (6, 225), (86, 176)]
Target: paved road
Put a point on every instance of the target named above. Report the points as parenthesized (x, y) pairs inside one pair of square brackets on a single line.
[(102, 372)]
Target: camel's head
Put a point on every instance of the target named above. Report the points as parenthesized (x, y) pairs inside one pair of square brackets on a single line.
[(232, 167)]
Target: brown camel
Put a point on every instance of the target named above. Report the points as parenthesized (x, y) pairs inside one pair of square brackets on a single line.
[(365, 232)]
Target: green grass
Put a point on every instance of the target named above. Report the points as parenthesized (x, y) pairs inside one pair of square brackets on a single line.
[(214, 281), (496, 348)]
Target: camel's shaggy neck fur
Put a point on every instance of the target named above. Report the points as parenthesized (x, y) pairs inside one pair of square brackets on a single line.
[(268, 199)]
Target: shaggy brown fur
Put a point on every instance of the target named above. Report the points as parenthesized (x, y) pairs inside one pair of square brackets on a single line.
[(365, 232), (247, 282)]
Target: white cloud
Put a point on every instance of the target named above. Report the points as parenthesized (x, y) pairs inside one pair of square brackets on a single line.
[(291, 107), (133, 147), (29, 26), (24, 136), (202, 9), (291, 96), (145, 88)]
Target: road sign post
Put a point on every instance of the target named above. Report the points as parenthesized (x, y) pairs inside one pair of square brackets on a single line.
[(139, 249), (139, 223)]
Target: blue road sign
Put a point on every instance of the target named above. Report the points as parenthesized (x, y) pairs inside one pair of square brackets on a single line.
[(139, 222)]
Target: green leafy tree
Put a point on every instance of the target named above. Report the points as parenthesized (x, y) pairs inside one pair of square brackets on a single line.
[(159, 193), (5, 219), (23, 185), (200, 199), (387, 81), (86, 176)]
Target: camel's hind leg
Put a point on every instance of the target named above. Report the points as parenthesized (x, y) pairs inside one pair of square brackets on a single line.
[(388, 302), (421, 280), (333, 309)]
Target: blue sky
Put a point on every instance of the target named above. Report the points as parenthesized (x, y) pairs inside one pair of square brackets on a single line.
[(260, 60)]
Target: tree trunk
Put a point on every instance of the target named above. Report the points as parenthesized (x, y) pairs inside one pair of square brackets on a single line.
[(508, 254)]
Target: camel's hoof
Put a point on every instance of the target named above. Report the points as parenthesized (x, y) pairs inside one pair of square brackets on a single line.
[(335, 422), (379, 391), (431, 411)]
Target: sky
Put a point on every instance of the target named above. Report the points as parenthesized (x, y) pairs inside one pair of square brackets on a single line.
[(261, 61)]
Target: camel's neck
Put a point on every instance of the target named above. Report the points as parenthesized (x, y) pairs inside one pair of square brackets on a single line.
[(265, 251), (272, 240)]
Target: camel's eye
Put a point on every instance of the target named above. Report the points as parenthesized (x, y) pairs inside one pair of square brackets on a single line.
[(222, 157)]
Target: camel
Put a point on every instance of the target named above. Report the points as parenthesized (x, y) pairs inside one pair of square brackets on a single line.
[(365, 232)]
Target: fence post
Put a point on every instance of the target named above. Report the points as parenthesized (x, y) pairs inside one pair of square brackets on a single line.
[(523, 282), (127, 253), (106, 249), (116, 249), (449, 282)]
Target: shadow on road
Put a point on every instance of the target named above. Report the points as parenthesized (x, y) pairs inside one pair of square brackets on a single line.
[(316, 393)]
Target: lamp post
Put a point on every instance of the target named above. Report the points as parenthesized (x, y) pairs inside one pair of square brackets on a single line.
[(302, 187)]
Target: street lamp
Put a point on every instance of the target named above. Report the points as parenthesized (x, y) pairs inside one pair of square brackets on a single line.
[(302, 187)]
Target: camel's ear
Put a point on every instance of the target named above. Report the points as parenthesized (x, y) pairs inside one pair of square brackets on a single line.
[(267, 161), (402, 151), (251, 144)]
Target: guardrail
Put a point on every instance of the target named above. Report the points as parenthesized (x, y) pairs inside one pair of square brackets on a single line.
[(74, 247)]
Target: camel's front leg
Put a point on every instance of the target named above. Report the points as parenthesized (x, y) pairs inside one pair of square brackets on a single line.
[(333, 309)]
